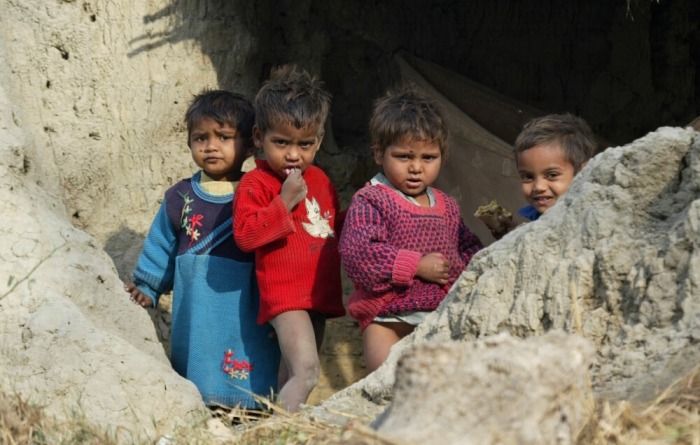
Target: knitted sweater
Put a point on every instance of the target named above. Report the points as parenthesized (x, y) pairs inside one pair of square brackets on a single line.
[(215, 341), (383, 240), (296, 253)]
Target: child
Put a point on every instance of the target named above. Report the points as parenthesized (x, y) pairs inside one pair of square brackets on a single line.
[(215, 342), (549, 152), (404, 243), (287, 212)]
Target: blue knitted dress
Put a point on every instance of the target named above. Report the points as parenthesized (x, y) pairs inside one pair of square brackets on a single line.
[(215, 339)]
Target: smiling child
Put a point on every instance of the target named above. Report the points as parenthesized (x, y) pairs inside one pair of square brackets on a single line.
[(549, 152)]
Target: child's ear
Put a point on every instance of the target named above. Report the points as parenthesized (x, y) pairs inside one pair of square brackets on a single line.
[(378, 155), (257, 138), (319, 136)]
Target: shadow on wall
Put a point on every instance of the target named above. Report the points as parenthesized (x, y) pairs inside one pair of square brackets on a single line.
[(223, 30), (124, 247)]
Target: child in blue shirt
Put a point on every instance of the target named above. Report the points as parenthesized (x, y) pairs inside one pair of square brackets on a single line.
[(549, 151), (215, 339)]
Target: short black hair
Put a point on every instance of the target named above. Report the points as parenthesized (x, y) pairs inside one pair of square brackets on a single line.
[(226, 108), (569, 132), (291, 96), (403, 113)]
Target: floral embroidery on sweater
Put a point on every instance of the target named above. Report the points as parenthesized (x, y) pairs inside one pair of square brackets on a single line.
[(191, 223), (237, 369)]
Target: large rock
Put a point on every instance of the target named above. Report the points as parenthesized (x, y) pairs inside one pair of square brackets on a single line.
[(70, 340), (496, 390)]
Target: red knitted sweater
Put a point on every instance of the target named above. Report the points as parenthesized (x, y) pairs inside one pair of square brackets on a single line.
[(296, 253), (384, 237)]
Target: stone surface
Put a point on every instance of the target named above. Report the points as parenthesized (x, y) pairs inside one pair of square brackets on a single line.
[(69, 339), (496, 390)]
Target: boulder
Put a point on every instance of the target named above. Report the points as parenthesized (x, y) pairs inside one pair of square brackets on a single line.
[(533, 391), (70, 339)]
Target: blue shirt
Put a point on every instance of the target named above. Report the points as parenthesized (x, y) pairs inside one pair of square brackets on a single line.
[(530, 212)]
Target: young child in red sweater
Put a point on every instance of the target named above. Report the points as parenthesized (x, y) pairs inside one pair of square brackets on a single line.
[(286, 210), (404, 243)]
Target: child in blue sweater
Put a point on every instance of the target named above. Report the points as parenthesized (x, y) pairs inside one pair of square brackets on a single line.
[(215, 340), (549, 151)]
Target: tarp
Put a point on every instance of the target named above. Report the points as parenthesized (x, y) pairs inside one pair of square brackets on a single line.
[(480, 166)]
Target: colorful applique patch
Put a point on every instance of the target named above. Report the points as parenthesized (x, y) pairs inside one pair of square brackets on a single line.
[(190, 223), (237, 369), (319, 224)]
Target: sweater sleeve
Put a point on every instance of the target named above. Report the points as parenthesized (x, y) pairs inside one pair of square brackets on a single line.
[(370, 261), (257, 220), (156, 265)]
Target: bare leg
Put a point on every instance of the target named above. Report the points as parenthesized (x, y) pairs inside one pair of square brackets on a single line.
[(297, 339), (378, 338)]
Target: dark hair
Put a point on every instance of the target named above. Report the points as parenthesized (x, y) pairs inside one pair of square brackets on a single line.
[(291, 96), (407, 113), (569, 132), (226, 108)]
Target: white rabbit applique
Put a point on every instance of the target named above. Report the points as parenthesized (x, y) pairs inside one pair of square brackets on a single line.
[(318, 226)]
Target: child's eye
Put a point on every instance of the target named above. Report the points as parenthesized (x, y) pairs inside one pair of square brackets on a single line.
[(552, 175), (525, 178)]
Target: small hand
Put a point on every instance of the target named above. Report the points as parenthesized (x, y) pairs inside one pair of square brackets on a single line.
[(506, 227), (293, 189), (434, 267), (136, 296)]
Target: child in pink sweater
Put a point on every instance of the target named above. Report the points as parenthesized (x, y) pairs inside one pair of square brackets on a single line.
[(404, 243)]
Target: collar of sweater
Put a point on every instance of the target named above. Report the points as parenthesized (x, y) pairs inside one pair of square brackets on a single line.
[(217, 187), (380, 178)]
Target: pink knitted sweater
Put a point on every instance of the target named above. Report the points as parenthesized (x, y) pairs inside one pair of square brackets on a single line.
[(384, 238)]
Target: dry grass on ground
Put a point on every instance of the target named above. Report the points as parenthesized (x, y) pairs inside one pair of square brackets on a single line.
[(673, 418)]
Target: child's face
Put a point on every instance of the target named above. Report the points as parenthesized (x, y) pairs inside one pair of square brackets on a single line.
[(545, 175), (410, 165), (218, 149), (288, 148)]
